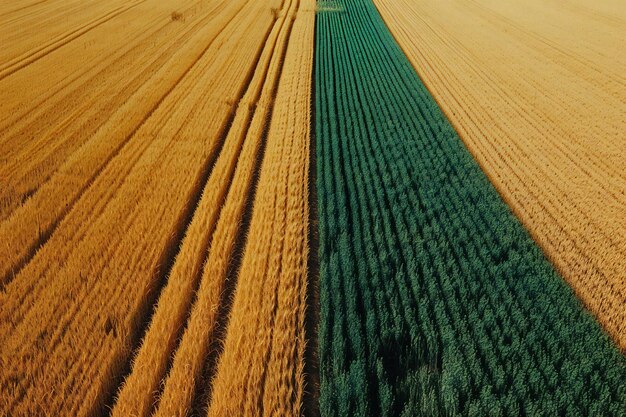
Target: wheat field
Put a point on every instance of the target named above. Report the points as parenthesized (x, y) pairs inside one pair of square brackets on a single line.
[(200, 94), (312, 208)]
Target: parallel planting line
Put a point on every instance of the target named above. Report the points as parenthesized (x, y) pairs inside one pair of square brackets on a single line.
[(72, 120), (550, 132), (117, 169), (90, 251), (49, 120), (45, 16), (434, 298), (79, 76), (23, 7), (261, 371), (188, 385)]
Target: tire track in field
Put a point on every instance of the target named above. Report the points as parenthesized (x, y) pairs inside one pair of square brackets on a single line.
[(46, 14), (219, 178), (28, 58), (203, 397), (36, 109), (23, 7), (28, 118), (203, 392), (267, 320), (11, 266), (181, 391), (168, 259), (140, 149), (80, 234)]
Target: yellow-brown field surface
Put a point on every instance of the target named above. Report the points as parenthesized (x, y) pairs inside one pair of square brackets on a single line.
[(537, 91), (154, 167)]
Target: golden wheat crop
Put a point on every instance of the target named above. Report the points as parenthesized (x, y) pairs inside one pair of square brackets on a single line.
[(129, 164), (261, 369)]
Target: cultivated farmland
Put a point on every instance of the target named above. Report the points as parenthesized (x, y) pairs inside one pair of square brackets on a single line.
[(434, 298), (187, 139), (312, 208), (537, 91)]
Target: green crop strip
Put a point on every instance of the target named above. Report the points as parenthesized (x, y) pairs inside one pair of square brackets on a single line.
[(434, 299)]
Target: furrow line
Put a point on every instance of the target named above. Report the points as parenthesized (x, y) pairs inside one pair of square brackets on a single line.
[(267, 320), (186, 386), (106, 352), (432, 294), (35, 163), (573, 210), (23, 7)]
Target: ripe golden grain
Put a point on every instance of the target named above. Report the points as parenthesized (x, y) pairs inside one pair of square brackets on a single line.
[(124, 128), (261, 369)]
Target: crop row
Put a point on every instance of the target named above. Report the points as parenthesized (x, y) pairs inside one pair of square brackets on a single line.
[(237, 346), (60, 135)]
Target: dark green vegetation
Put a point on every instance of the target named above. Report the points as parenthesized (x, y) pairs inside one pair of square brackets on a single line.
[(434, 299)]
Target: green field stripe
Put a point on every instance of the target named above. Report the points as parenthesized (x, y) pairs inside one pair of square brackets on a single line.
[(434, 299)]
